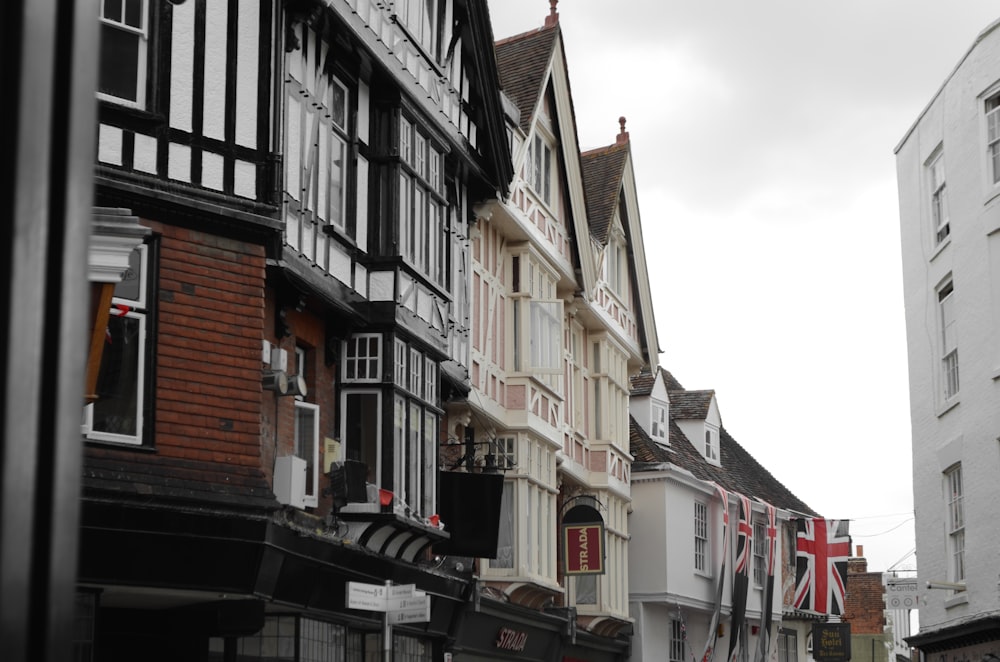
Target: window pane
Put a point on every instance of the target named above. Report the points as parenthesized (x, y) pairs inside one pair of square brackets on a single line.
[(361, 416), (113, 10), (119, 75), (118, 384), (505, 534), (133, 13)]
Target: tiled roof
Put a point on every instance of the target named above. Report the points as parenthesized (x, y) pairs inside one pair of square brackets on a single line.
[(670, 382), (602, 181), (685, 405), (739, 471), (131, 474), (521, 62), (642, 383)]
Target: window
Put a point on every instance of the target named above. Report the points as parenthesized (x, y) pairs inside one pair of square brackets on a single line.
[(545, 336), (939, 201), (586, 589), (677, 640), (993, 136), (363, 358), (711, 444), (318, 160), (420, 19), (307, 447), (539, 168), (759, 553), (505, 532), (117, 414), (956, 522), (506, 452), (659, 428), (616, 266), (422, 206), (788, 645), (949, 340), (124, 45), (362, 429), (700, 537)]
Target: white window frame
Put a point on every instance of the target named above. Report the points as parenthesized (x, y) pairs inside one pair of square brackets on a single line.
[(420, 18), (311, 456), (616, 265), (400, 352), (760, 541), (138, 311), (676, 652), (939, 197), (422, 205), (702, 551), (950, 384), (352, 361), (506, 453), (545, 334), (955, 497), (376, 471), (416, 372), (142, 54), (711, 449), (430, 380), (992, 118), (658, 426), (541, 155)]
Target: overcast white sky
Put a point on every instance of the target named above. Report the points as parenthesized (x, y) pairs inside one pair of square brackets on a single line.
[(763, 135)]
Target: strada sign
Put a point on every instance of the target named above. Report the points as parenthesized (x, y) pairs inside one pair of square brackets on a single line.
[(584, 545)]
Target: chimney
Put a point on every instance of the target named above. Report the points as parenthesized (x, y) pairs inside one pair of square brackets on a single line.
[(553, 17), (622, 134)]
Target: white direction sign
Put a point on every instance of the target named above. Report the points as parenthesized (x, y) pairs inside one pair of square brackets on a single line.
[(418, 614), (402, 604), (370, 597)]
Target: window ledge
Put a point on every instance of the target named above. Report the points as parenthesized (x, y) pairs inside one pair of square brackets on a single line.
[(940, 248), (956, 600), (947, 406)]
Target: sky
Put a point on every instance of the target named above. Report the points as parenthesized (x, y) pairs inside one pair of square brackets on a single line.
[(762, 135)]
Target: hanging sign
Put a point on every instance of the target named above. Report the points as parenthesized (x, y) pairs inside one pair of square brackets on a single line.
[(583, 541)]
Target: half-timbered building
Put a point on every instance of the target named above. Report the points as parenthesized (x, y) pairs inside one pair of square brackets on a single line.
[(561, 318), (273, 383)]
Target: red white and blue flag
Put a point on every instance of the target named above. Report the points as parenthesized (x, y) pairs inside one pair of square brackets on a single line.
[(741, 578), (767, 608), (713, 629), (822, 549)]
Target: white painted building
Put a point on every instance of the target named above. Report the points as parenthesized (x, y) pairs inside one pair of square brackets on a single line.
[(682, 453), (948, 170)]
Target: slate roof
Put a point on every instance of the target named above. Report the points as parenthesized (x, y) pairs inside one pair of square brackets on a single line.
[(603, 169), (642, 382), (739, 472), (686, 405), (155, 479), (521, 62)]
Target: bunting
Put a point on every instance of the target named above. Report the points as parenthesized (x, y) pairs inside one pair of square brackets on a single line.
[(767, 606), (741, 578), (713, 628), (822, 549)]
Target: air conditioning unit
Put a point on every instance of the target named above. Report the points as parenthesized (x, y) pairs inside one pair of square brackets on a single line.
[(290, 481)]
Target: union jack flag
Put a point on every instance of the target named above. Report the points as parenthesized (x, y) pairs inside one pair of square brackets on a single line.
[(822, 549), (744, 539)]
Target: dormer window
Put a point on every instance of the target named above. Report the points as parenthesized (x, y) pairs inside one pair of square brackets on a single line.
[(658, 430), (711, 444)]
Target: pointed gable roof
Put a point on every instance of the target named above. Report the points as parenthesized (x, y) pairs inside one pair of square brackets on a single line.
[(739, 471), (642, 383), (603, 169), (522, 62)]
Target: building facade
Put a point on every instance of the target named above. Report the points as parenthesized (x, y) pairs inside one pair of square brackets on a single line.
[(948, 174), (269, 402), (693, 489), (560, 317)]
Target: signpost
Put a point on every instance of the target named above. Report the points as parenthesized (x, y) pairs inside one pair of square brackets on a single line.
[(399, 604)]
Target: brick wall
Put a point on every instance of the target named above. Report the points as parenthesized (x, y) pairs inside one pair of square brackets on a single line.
[(209, 330), (865, 603)]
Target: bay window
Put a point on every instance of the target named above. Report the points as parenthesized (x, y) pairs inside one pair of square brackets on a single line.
[(117, 413), (422, 203)]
